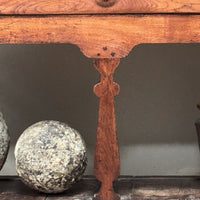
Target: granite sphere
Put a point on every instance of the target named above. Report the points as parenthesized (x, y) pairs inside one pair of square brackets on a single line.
[(50, 156), (4, 141)]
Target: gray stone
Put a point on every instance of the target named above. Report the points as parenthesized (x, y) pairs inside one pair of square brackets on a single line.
[(4, 141), (50, 156)]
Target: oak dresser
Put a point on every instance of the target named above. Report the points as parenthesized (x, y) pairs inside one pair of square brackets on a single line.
[(104, 30)]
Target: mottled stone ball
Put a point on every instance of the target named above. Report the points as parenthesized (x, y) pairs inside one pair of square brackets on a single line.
[(50, 156), (4, 141)]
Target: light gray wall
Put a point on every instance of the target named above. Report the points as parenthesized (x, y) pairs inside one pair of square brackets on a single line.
[(155, 111)]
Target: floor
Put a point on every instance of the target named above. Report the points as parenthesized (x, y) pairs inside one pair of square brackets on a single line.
[(128, 188)]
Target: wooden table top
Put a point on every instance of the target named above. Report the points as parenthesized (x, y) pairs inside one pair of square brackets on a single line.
[(98, 6), (128, 187)]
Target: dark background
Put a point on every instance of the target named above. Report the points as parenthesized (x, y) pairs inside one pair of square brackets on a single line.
[(155, 110)]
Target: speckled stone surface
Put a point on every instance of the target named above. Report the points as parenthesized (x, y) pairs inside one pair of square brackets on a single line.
[(4, 141), (50, 156)]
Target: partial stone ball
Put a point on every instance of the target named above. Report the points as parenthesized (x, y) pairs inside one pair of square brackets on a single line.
[(50, 156), (4, 141)]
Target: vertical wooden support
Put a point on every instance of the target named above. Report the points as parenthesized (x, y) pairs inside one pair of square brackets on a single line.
[(107, 162)]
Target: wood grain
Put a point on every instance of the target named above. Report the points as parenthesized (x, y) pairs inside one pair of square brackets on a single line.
[(128, 187), (15, 196), (95, 6), (101, 36), (166, 188), (107, 163)]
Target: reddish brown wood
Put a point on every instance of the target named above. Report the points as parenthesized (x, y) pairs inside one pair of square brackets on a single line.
[(107, 162), (101, 36), (98, 6)]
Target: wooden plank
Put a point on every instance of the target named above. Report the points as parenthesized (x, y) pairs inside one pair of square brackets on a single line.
[(15, 196), (12, 188), (129, 188), (98, 6), (166, 188), (101, 36)]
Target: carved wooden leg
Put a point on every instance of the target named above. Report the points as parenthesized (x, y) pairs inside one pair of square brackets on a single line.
[(107, 162)]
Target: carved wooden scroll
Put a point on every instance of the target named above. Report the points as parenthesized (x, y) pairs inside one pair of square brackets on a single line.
[(107, 162)]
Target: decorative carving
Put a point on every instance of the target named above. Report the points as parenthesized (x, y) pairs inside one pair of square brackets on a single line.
[(107, 162)]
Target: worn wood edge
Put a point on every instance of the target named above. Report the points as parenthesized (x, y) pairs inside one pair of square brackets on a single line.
[(98, 6), (101, 36)]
